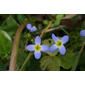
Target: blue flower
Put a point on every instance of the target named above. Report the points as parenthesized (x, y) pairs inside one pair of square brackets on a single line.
[(30, 28), (37, 48), (82, 33), (59, 44)]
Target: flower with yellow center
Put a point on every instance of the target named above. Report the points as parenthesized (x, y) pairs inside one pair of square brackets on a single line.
[(37, 48), (59, 44)]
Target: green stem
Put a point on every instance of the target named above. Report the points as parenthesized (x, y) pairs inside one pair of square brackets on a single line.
[(77, 58), (26, 60), (65, 31)]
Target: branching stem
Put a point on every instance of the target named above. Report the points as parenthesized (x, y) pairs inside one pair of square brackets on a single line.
[(30, 54)]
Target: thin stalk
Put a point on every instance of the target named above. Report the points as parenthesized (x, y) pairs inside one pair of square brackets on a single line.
[(65, 31), (77, 58), (26, 60), (30, 54)]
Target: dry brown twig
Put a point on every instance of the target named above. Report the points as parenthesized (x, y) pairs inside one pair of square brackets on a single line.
[(51, 29), (15, 46)]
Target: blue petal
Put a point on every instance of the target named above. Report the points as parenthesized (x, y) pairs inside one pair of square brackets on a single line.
[(38, 40), (65, 39), (62, 50), (44, 47), (55, 39), (29, 26), (33, 29), (37, 54), (82, 33), (30, 47), (53, 48)]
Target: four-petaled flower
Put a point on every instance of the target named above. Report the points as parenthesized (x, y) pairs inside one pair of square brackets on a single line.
[(30, 28), (59, 44), (82, 33), (37, 48)]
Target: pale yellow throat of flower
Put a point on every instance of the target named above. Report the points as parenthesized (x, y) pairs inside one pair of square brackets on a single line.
[(37, 47), (59, 43)]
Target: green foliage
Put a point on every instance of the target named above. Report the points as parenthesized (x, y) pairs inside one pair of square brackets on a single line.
[(82, 62), (20, 18), (68, 60), (5, 44), (58, 18), (51, 63), (75, 18), (45, 22), (9, 24)]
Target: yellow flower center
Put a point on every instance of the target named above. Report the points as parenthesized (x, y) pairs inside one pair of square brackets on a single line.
[(37, 47), (59, 43)]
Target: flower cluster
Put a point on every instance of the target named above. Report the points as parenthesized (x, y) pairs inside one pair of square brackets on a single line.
[(59, 43), (30, 28)]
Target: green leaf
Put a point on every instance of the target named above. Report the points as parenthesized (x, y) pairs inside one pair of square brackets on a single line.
[(10, 25), (51, 63), (68, 60), (45, 22), (5, 43), (58, 18), (75, 18), (21, 18)]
